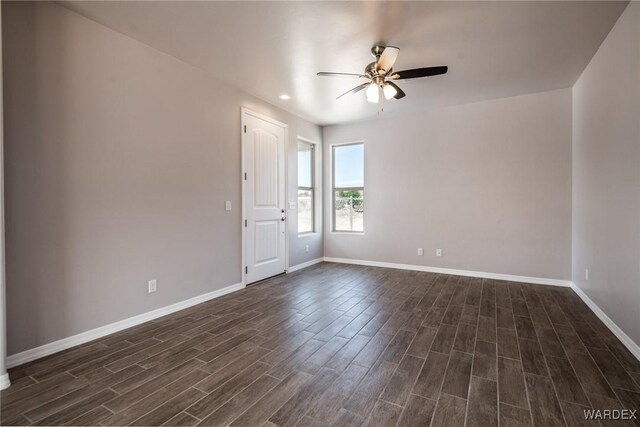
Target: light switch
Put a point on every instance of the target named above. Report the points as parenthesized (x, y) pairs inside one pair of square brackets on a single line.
[(227, 205), (292, 205)]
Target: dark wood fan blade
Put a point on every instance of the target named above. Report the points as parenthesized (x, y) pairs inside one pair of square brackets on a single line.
[(329, 74), (399, 92), (355, 89), (419, 72)]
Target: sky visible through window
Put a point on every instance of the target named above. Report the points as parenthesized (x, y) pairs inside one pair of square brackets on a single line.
[(304, 165), (349, 165)]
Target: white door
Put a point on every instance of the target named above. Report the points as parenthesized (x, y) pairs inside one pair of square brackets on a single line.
[(264, 196)]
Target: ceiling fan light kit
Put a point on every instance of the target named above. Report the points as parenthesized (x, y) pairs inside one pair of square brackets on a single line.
[(380, 75), (389, 91), (373, 93)]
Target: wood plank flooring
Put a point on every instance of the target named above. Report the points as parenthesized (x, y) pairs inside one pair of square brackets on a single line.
[(343, 345)]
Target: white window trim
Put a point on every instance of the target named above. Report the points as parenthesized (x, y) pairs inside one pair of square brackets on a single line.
[(332, 229), (317, 189)]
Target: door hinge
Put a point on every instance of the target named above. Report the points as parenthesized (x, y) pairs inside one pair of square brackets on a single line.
[(245, 128), (246, 270), (245, 222), (245, 176)]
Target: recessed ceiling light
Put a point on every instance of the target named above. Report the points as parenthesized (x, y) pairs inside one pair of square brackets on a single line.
[(285, 96)]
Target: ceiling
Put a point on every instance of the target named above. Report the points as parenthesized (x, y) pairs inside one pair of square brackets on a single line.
[(493, 49)]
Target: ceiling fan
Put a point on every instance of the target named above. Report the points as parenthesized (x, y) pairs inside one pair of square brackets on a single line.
[(380, 75)]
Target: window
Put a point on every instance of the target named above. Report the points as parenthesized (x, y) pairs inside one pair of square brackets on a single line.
[(306, 184), (348, 187)]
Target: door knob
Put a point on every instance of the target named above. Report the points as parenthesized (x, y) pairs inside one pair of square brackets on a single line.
[(282, 219), (282, 210)]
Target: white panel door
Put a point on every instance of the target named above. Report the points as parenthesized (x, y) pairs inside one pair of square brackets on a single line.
[(264, 197)]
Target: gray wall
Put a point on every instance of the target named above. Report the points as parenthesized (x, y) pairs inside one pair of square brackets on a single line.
[(489, 183), (606, 175), (118, 161)]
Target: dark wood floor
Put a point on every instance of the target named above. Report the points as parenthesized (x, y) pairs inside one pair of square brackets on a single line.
[(343, 345)]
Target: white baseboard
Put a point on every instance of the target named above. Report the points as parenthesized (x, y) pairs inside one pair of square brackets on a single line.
[(480, 274), (4, 381), (84, 337), (624, 338), (304, 265)]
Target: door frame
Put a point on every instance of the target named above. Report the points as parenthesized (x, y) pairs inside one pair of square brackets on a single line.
[(244, 112)]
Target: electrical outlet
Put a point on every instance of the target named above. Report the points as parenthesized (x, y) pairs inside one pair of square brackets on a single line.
[(420, 251), (227, 205), (438, 252), (586, 274), (306, 248), (152, 286)]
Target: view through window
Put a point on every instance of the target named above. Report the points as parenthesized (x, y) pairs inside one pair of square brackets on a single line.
[(306, 159), (348, 187)]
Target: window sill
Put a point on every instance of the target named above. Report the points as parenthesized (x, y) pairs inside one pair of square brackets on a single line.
[(353, 233), (311, 234)]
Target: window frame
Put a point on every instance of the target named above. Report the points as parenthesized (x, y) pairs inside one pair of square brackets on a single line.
[(312, 189), (334, 188)]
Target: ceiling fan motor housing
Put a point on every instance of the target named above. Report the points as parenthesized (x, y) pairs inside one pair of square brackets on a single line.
[(377, 76)]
